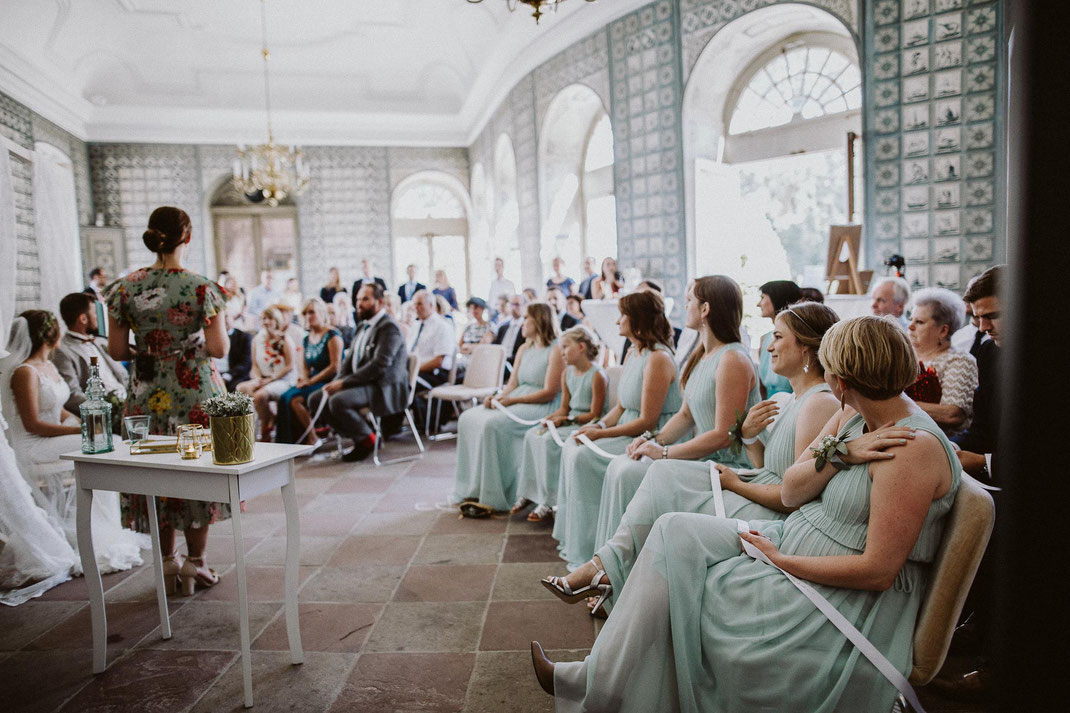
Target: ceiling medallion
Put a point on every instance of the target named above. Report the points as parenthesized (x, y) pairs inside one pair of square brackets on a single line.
[(269, 171), (539, 6)]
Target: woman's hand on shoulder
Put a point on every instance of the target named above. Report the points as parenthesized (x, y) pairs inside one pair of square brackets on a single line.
[(875, 446)]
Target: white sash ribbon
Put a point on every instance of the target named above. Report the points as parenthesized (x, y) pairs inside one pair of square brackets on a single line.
[(555, 434), (522, 421), (594, 449), (316, 417)]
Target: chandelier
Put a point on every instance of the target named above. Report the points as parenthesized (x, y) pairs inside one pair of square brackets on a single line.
[(539, 6), (269, 171)]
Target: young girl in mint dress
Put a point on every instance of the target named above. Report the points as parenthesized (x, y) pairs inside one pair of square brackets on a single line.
[(583, 398), (701, 626), (489, 442), (647, 396), (720, 384)]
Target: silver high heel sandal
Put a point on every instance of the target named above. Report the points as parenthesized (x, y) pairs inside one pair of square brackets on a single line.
[(560, 588)]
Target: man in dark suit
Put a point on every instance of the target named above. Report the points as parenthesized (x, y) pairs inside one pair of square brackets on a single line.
[(238, 362), (410, 288), (374, 375), (367, 277), (509, 333)]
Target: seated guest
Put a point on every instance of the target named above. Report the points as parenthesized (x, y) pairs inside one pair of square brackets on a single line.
[(650, 286), (488, 441), (98, 280), (79, 345), (509, 331), (322, 350), (234, 368), (293, 329), (559, 280), (393, 306), (948, 377), (263, 295), (677, 486), (583, 399), (411, 286), (556, 299), (890, 296), (530, 294), (609, 283), (333, 286), (589, 275), (407, 321), (776, 295), (374, 375), (701, 625), (573, 309), (443, 289), (978, 442), (235, 305), (340, 315), (292, 294), (367, 274), (274, 369), (812, 294), (434, 342), (477, 331), (647, 397), (444, 308), (499, 286), (500, 313)]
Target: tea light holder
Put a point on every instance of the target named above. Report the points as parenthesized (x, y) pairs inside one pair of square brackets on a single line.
[(190, 441)]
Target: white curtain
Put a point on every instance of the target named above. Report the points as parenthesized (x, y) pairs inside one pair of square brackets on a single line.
[(8, 250), (56, 225)]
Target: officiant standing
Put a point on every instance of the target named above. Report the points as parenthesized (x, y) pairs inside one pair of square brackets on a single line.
[(79, 345)]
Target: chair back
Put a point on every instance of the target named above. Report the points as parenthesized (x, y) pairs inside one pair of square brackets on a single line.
[(485, 367), (414, 375), (967, 531), (613, 377)]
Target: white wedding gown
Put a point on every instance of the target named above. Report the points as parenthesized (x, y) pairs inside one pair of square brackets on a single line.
[(38, 507)]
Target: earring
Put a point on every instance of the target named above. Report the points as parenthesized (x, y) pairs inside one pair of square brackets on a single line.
[(806, 366), (842, 404)]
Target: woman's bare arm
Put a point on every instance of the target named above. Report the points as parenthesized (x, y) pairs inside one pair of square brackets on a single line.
[(25, 385)]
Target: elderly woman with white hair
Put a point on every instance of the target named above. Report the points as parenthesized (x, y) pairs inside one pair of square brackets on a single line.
[(947, 377)]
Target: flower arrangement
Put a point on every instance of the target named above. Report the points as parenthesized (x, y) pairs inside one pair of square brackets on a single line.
[(227, 405), (828, 451), (735, 433)]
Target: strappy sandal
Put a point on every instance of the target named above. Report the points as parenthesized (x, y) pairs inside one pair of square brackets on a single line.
[(560, 588), (192, 576), (172, 568), (475, 510), (540, 514), (520, 505)]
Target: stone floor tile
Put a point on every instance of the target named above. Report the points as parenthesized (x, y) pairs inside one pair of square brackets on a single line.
[(22, 624), (460, 549), (272, 550), (278, 685), (360, 583), (220, 550), (395, 523), (428, 627), (262, 584), (360, 484), (212, 626), (446, 583), (151, 682), (39, 681), (505, 681), (512, 626), (519, 525), (520, 581), (331, 627), (307, 485), (374, 549), (128, 624), (272, 502), (74, 590), (451, 523), (386, 683), (530, 548)]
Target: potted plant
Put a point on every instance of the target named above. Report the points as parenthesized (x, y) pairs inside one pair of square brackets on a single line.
[(230, 418)]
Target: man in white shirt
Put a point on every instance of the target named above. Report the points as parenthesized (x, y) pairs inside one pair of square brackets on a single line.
[(262, 295), (79, 345), (434, 340), (98, 280), (890, 296), (410, 288), (499, 285)]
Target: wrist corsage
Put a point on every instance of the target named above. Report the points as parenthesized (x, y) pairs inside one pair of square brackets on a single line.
[(828, 451), (649, 435), (735, 433)]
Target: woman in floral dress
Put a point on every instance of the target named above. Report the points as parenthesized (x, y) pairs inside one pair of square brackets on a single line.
[(177, 321)]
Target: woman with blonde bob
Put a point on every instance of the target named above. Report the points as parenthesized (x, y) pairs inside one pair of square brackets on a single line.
[(489, 442), (274, 368), (700, 625)]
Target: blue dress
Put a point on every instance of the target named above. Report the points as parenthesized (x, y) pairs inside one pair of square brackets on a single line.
[(773, 382), (317, 358)]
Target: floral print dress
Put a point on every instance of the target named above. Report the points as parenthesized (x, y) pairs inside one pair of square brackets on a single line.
[(172, 374)]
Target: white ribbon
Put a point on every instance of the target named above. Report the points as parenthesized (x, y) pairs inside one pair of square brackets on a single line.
[(715, 486), (312, 423), (522, 421), (856, 637), (582, 438), (555, 434)]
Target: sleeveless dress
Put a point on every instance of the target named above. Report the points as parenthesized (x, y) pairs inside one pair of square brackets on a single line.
[(774, 383), (489, 442), (702, 627), (541, 465), (166, 309), (52, 487), (583, 471), (317, 358), (684, 486), (624, 474)]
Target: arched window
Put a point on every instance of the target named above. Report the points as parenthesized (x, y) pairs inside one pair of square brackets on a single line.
[(505, 224), (251, 238), (430, 223)]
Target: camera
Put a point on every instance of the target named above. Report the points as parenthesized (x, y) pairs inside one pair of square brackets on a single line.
[(896, 261)]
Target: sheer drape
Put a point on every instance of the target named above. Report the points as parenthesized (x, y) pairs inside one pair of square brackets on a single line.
[(8, 250), (56, 225)]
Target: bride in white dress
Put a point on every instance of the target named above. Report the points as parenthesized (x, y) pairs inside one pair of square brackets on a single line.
[(37, 510)]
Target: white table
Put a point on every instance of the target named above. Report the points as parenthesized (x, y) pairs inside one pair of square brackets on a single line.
[(166, 474)]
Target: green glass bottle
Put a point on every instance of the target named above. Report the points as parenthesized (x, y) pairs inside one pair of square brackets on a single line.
[(96, 414)]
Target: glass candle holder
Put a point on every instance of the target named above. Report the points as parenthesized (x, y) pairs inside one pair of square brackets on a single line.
[(190, 443)]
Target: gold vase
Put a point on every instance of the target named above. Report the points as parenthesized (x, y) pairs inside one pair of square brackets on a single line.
[(232, 439)]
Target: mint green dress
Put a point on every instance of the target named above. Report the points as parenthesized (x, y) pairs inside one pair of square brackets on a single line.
[(583, 471), (624, 474), (541, 464), (702, 627), (488, 441), (684, 486)]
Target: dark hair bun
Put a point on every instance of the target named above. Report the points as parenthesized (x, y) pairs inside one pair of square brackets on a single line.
[(168, 227)]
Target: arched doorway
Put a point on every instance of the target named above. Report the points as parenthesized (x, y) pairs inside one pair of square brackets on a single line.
[(253, 237)]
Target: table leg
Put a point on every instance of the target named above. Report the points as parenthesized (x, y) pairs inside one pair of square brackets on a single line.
[(293, 551), (92, 579), (243, 594), (157, 567)]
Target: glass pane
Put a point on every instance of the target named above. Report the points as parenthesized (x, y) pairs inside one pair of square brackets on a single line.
[(448, 254), (237, 251), (600, 147), (428, 200), (279, 247), (412, 250)]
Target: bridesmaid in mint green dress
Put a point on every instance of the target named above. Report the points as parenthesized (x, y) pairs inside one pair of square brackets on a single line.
[(647, 396), (701, 626), (720, 384), (583, 399), (488, 441), (684, 486)]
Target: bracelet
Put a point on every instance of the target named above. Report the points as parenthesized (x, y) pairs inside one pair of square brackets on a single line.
[(665, 451), (600, 423), (828, 451), (749, 441)]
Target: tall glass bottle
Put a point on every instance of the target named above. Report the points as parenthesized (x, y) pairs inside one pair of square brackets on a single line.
[(96, 414)]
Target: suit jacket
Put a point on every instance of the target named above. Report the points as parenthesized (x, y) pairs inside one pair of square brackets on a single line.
[(239, 359), (384, 366), (74, 368), (500, 339), (983, 433), (401, 290), (568, 321), (356, 287)]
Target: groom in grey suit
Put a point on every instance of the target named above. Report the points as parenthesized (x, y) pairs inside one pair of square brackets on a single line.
[(374, 374)]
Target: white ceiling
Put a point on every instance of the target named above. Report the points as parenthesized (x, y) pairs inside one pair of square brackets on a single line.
[(397, 72)]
